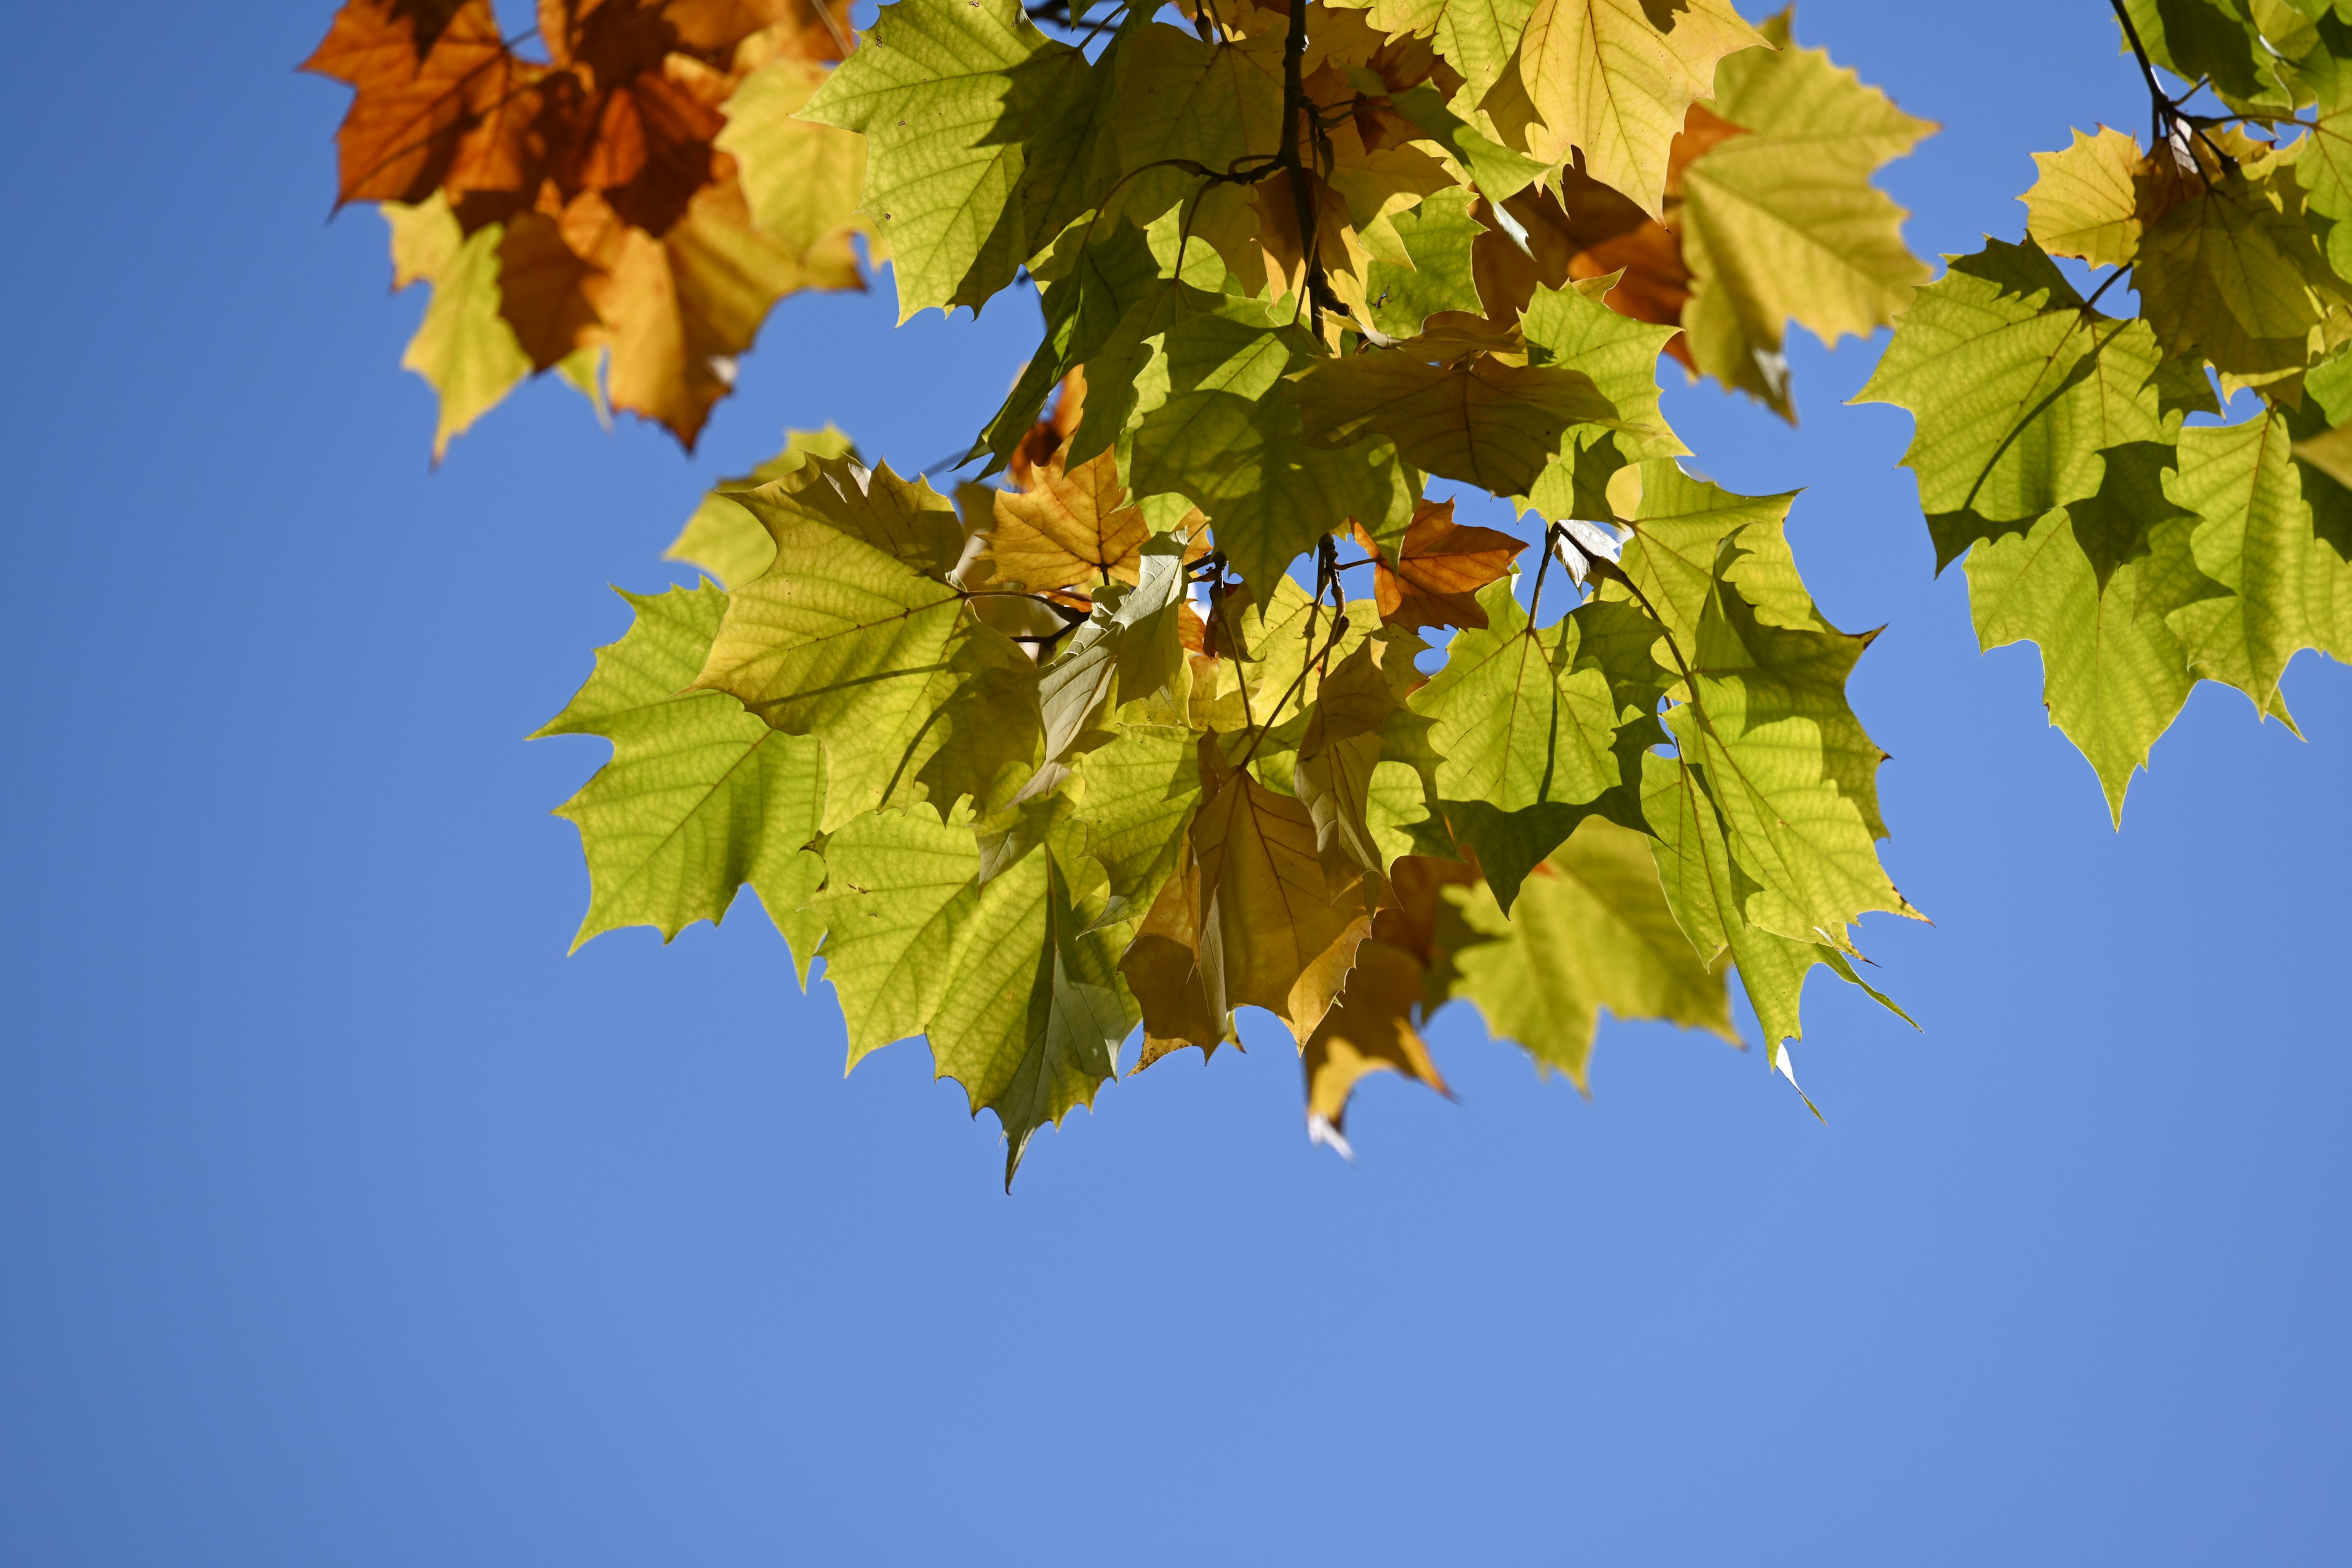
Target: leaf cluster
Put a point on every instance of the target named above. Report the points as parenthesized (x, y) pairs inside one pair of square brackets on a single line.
[(1198, 699), (2074, 456)]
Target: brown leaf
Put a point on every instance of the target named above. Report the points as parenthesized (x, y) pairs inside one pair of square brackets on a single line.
[(625, 225), (1251, 919), (1440, 564), (1043, 440), (1075, 530), (441, 101), (1369, 1029)]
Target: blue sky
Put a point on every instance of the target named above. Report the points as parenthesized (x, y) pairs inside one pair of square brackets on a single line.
[(346, 1221)]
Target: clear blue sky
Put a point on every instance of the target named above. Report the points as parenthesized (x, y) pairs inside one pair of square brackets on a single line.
[(344, 1220)]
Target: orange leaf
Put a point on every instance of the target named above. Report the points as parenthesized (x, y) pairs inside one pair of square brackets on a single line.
[(1074, 529), (1440, 564)]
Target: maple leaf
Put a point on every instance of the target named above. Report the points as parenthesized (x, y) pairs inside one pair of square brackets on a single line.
[(956, 101), (440, 99), (1591, 930), (1339, 748), (2017, 385), (725, 539), (1138, 793), (1606, 77), (1216, 421), (1783, 222), (463, 348), (1253, 917), (1130, 649), (2114, 674), (1706, 891), (2232, 274), (1033, 1011), (802, 180), (1477, 418), (2279, 585), (1438, 569), (1071, 528), (854, 635), (899, 887), (1440, 238), (699, 798), (1619, 353), (1477, 38), (1369, 1028), (2094, 200)]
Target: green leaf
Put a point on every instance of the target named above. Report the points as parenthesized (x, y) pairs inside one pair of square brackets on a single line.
[(801, 180), (1498, 171), (1131, 646), (722, 537), (1680, 525), (1616, 77), (1707, 895), (957, 100), (2211, 39), (2324, 167), (2017, 387), (699, 797), (1219, 425), (898, 892), (1139, 793), (1087, 287), (1477, 38), (1438, 235), (1591, 930), (2281, 585), (1783, 223), (869, 647), (1790, 768), (2233, 275), (1480, 420), (464, 347), (2088, 201), (2113, 678), (1571, 326), (1033, 1010), (1212, 104)]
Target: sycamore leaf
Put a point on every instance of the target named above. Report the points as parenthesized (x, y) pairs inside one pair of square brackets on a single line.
[(1441, 237), (1522, 717), (439, 98), (1438, 568), (955, 98), (1498, 171), (2232, 274), (724, 539), (1707, 893), (1784, 223), (2280, 584), (679, 308), (2324, 167), (1680, 526), (802, 180), (1220, 426), (1033, 1011), (1573, 326), (2017, 387), (2113, 678), (1339, 748), (1253, 917), (1369, 1029), (1591, 930), (1139, 791), (2213, 40), (1087, 289), (699, 797), (1481, 420), (1789, 767), (2093, 200), (1477, 38), (463, 348), (1606, 77), (1211, 103), (1073, 529), (854, 634), (900, 891), (1131, 649)]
